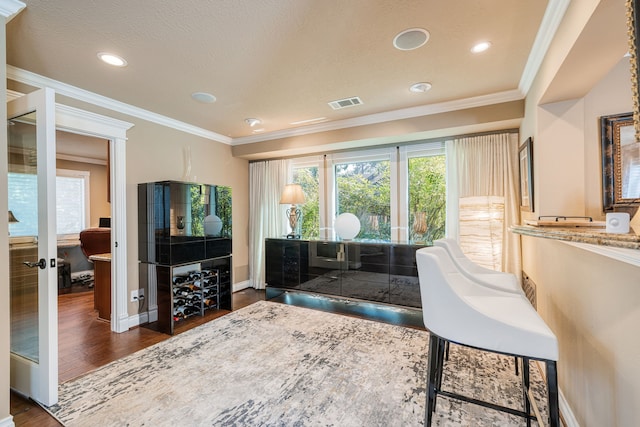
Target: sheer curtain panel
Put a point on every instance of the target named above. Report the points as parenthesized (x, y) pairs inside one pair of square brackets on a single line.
[(483, 170), (266, 215)]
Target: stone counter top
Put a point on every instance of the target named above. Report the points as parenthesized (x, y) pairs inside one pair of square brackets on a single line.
[(101, 257), (590, 235)]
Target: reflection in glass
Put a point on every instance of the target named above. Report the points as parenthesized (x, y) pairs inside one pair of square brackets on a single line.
[(630, 167), (24, 280)]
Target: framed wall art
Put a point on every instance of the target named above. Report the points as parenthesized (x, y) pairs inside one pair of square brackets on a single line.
[(525, 156)]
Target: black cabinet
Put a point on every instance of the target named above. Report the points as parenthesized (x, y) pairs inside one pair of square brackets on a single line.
[(184, 234), (380, 272)]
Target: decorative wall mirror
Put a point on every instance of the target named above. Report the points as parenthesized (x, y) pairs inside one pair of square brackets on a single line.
[(620, 163), (620, 136)]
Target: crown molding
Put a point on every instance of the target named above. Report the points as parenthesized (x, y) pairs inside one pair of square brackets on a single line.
[(550, 23), (10, 8), (405, 113), (67, 117), (81, 159), (36, 80)]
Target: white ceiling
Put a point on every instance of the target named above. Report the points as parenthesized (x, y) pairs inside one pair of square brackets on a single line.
[(277, 60)]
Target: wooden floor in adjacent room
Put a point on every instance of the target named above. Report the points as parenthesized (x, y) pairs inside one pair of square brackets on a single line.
[(85, 343)]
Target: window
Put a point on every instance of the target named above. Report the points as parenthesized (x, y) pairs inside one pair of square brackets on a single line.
[(427, 198), (364, 189), (308, 178), (72, 203), (387, 189)]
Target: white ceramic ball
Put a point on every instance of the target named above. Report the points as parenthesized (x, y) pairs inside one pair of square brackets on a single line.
[(347, 226)]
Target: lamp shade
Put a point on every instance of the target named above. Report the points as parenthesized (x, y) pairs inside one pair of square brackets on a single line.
[(347, 226), (12, 218), (292, 195)]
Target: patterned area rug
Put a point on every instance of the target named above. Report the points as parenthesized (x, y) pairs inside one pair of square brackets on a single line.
[(271, 364)]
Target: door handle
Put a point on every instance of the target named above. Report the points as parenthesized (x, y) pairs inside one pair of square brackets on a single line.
[(42, 264)]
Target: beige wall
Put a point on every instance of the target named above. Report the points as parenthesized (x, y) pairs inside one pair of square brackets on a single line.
[(156, 153), (99, 206), (591, 302)]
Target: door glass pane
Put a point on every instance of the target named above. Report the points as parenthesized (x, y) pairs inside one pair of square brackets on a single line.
[(364, 189), (307, 177), (23, 204), (427, 198)]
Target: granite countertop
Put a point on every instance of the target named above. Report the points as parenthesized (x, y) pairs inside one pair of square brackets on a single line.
[(101, 257), (590, 235)]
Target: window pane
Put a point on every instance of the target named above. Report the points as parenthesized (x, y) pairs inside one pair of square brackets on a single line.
[(308, 179), (70, 205), (23, 202), (427, 198), (364, 189)]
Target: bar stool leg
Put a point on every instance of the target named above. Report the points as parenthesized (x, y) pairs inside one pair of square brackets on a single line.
[(552, 392), (525, 388), (443, 349), (432, 368)]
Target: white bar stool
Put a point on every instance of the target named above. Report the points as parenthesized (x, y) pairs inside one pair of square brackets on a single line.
[(455, 309), (484, 276)]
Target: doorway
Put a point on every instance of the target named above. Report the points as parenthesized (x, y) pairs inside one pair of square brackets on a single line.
[(78, 122)]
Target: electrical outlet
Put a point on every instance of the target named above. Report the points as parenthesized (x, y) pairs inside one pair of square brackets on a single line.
[(137, 295)]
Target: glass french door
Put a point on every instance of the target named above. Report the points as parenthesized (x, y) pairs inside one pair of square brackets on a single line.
[(33, 253)]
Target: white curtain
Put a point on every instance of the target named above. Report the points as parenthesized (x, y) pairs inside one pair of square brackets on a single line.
[(266, 215), (485, 166)]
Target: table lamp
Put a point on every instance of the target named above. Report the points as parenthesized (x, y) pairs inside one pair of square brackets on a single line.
[(293, 195)]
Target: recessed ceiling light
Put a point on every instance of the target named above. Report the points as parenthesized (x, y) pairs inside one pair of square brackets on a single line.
[(420, 87), (258, 130), (411, 39), (317, 119), (253, 122), (481, 47), (112, 59), (203, 97)]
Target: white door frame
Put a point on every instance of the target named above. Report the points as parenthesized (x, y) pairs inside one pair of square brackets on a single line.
[(82, 122), (74, 120)]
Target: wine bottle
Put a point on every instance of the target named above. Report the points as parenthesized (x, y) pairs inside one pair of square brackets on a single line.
[(178, 280)]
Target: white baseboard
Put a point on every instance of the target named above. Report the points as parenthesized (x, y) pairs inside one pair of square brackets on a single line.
[(146, 317), (7, 422), (241, 285), (138, 319), (565, 411)]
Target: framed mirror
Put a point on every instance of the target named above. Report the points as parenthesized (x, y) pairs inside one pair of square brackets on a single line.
[(620, 163)]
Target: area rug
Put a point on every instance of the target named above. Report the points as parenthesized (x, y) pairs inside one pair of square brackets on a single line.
[(272, 364)]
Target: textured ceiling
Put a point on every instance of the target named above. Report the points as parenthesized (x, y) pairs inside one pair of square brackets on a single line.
[(278, 60)]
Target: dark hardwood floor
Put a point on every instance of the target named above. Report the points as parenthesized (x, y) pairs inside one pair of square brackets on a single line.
[(85, 343)]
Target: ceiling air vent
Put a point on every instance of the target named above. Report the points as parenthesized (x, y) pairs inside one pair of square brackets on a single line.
[(344, 103)]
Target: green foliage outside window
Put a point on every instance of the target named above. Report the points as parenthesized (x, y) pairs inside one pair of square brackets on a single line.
[(308, 180), (364, 189), (427, 198)]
